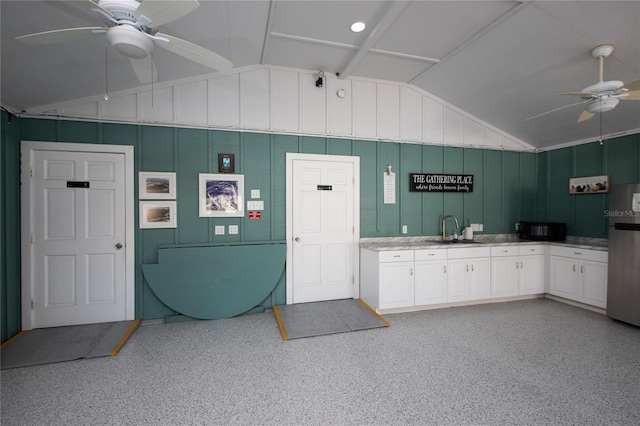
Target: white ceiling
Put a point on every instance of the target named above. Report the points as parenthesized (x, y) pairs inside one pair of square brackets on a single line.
[(501, 61)]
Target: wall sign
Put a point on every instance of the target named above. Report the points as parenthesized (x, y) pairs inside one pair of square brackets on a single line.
[(438, 182)]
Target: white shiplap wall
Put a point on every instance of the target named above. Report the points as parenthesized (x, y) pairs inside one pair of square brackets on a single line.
[(284, 100)]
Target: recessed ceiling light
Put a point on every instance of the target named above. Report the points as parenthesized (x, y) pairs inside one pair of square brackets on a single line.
[(357, 27)]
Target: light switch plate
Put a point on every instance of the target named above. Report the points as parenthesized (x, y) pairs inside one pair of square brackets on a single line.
[(255, 205), (255, 193), (404, 229), (233, 229), (219, 230)]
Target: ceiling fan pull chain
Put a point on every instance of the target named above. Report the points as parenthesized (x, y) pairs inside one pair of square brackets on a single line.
[(152, 62), (106, 73)]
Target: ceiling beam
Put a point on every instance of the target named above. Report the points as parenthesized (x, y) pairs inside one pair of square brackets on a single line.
[(267, 34), (392, 13)]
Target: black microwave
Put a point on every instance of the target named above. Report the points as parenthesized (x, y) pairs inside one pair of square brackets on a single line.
[(542, 231)]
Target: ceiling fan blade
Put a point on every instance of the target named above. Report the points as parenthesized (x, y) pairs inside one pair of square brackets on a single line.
[(586, 115), (196, 53), (145, 70), (630, 96), (632, 86), (160, 12), (557, 109), (60, 36), (581, 94)]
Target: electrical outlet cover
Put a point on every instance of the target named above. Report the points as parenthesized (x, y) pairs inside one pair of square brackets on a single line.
[(233, 229), (219, 230)]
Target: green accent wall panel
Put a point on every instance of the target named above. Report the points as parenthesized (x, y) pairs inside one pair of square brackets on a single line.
[(190, 162), (432, 202), (79, 132), (281, 145), (560, 203), (156, 149), (453, 201), (410, 202), (32, 129), (120, 134), (367, 151), (511, 191), (542, 171), (388, 214), (589, 219), (623, 157), (492, 191), (338, 146), (473, 165), (528, 187), (313, 145), (257, 175)]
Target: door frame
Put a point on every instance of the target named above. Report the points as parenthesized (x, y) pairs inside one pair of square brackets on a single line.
[(26, 150), (355, 161)]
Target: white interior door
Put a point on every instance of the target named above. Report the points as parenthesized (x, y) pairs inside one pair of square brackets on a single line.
[(324, 240), (76, 242)]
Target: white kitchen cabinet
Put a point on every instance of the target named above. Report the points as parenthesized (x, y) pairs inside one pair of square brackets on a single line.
[(469, 274), (386, 278), (431, 277), (517, 270), (579, 275)]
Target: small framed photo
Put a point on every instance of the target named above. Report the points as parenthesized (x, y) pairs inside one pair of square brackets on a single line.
[(226, 163), (598, 184), (221, 195), (157, 214), (157, 186)]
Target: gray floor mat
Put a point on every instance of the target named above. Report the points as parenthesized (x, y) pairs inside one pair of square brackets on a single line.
[(329, 317)]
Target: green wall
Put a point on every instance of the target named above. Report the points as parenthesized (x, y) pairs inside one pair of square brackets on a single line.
[(508, 186)]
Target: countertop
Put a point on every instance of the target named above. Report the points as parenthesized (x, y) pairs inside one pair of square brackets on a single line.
[(416, 243)]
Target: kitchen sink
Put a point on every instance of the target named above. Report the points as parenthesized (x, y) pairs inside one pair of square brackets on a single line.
[(463, 242)]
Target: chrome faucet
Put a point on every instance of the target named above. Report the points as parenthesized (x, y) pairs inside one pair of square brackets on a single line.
[(444, 222)]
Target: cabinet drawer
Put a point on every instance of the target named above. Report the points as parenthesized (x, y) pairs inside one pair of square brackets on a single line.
[(530, 249), (577, 253), (431, 254), (498, 251), (396, 256), (468, 252)]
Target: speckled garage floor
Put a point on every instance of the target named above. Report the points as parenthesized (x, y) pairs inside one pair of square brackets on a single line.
[(527, 362)]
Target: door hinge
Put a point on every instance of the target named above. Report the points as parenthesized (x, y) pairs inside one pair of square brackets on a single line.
[(33, 304), (353, 279), (32, 239), (30, 173)]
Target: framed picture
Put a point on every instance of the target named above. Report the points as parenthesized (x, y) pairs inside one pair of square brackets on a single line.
[(221, 195), (598, 184), (157, 186), (226, 163), (157, 214)]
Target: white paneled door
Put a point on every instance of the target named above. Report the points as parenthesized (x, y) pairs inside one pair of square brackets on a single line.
[(77, 261), (323, 230)]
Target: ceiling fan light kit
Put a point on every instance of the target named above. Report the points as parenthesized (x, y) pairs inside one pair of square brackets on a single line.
[(130, 41)]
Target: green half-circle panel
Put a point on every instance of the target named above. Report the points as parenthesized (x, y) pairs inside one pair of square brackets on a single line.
[(215, 282)]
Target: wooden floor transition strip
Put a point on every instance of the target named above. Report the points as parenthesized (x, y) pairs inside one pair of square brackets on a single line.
[(20, 333), (373, 311), (125, 337), (280, 323)]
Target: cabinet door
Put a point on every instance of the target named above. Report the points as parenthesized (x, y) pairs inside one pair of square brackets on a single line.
[(396, 285), (593, 279), (504, 276), (430, 283), (480, 278), (531, 273), (564, 277), (458, 271)]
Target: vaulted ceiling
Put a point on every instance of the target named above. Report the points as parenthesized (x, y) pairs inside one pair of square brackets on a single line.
[(501, 61)]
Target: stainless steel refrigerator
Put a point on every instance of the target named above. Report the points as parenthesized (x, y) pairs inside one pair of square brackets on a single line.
[(623, 286)]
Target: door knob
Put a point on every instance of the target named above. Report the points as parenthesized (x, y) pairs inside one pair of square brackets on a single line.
[(119, 246), (297, 239)]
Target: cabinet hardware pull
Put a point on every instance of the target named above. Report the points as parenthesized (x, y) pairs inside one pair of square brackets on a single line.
[(574, 268), (521, 265), (445, 269), (411, 271), (516, 264), (473, 267), (578, 253), (582, 269), (467, 268)]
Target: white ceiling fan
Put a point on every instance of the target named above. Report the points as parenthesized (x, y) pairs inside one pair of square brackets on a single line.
[(602, 96), (131, 27)]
